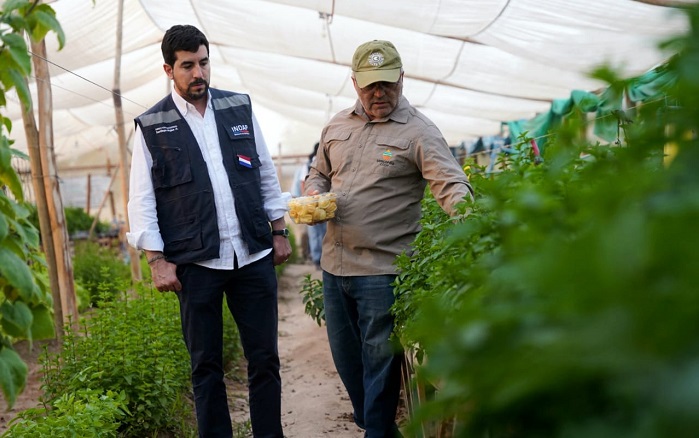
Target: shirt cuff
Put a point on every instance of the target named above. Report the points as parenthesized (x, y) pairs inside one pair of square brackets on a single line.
[(149, 240), (278, 207)]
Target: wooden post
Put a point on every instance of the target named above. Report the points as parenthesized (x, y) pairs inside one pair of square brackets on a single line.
[(89, 193), (59, 232), (107, 196), (123, 153), (32, 134), (112, 205)]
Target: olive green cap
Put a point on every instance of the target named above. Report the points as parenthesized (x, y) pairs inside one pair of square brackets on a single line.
[(376, 61)]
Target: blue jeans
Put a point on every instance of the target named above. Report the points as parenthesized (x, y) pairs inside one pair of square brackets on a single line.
[(359, 323), (251, 294)]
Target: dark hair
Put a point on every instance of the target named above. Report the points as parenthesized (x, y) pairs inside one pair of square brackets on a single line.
[(182, 37), (313, 154)]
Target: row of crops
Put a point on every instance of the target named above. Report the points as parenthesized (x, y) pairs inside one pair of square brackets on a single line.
[(565, 301)]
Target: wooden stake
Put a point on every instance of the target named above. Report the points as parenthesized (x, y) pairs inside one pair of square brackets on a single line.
[(54, 202), (32, 134), (89, 194), (123, 153)]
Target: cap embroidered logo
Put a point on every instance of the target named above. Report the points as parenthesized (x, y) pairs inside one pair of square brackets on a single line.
[(376, 59)]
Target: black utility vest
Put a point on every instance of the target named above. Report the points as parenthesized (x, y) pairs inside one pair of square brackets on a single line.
[(183, 193)]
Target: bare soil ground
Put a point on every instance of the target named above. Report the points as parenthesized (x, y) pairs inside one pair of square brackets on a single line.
[(314, 402)]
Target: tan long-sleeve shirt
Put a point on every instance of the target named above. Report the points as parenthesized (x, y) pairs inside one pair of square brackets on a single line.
[(379, 170)]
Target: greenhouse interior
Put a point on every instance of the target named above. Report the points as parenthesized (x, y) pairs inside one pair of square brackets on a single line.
[(559, 298)]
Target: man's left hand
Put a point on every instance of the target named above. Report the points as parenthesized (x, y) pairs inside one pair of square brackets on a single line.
[(282, 249)]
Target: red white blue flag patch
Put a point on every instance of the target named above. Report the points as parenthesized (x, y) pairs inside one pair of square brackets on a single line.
[(245, 161)]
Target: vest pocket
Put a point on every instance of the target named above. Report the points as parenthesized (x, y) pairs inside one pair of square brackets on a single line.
[(183, 235), (171, 166)]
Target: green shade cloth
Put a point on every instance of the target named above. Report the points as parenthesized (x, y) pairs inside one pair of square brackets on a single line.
[(607, 106)]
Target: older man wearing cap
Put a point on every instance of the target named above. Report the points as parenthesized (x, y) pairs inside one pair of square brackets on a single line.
[(377, 156)]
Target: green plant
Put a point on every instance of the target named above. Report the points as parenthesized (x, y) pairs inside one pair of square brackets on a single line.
[(99, 269), (85, 413), (25, 306), (565, 304), (312, 291), (242, 430), (77, 220), (132, 346)]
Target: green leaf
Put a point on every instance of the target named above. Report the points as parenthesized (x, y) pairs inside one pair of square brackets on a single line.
[(13, 375), (4, 228), (16, 246), (11, 5), (16, 48), (5, 158), (16, 271), (10, 179), (6, 206), (21, 211), (18, 153), (45, 22), (28, 233), (42, 323), (21, 87), (16, 319), (17, 215)]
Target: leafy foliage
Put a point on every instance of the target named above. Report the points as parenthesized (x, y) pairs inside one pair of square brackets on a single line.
[(77, 221), (130, 346), (84, 413), (565, 304), (25, 304), (312, 291), (93, 264)]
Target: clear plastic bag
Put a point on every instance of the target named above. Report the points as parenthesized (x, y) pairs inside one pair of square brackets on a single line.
[(311, 210)]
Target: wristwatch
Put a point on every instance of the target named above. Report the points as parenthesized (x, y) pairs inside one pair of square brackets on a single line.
[(283, 232)]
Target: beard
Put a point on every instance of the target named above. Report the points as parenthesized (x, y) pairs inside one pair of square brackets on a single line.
[(195, 95)]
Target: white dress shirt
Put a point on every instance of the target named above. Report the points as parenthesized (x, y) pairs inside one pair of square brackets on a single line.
[(143, 220)]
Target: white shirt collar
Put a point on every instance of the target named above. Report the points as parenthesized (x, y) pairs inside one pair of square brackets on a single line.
[(184, 107)]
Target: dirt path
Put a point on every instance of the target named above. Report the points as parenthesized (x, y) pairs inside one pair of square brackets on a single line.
[(314, 403)]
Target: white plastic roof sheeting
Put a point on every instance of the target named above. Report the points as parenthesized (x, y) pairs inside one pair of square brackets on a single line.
[(469, 64)]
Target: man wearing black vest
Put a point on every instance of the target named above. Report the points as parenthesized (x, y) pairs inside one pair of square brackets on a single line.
[(206, 207)]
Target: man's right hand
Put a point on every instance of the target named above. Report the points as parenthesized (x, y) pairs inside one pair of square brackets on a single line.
[(164, 275)]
